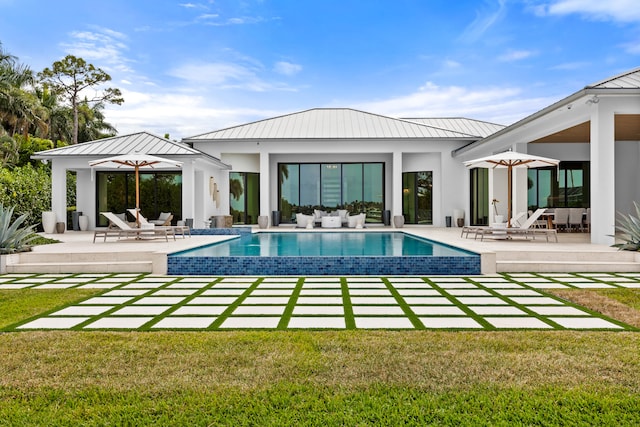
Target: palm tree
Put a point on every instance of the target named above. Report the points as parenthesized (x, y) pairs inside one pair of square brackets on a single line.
[(92, 124), (20, 109)]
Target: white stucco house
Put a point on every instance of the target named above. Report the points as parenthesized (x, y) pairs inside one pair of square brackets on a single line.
[(337, 158)]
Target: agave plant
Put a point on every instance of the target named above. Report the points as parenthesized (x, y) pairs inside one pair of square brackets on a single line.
[(13, 238), (629, 227)]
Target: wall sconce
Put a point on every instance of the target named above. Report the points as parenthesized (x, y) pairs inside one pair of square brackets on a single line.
[(594, 100), (214, 193)]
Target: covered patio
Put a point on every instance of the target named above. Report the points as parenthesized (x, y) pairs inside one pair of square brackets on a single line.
[(597, 130)]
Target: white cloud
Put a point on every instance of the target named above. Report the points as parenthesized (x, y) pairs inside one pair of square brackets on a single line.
[(515, 55), (101, 45), (568, 66), (632, 48), (484, 20), (226, 75), (287, 68), (615, 10), (503, 105), (180, 115)]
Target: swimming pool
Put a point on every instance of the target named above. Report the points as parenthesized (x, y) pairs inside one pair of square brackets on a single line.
[(324, 253)]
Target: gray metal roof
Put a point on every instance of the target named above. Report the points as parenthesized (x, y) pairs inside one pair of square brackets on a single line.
[(143, 142), (330, 123), (626, 80), (470, 127)]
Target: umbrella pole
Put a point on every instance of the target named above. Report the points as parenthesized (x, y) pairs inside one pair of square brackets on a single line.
[(137, 197), (509, 195)]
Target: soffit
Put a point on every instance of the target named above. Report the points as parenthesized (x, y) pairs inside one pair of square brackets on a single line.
[(627, 128)]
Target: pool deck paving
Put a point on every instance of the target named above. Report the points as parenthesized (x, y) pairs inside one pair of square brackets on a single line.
[(76, 253), (143, 302)]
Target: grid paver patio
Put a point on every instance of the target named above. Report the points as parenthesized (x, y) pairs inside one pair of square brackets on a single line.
[(146, 302)]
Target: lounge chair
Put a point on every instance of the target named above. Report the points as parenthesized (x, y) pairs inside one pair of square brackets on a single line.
[(123, 229), (526, 229), (304, 221), (468, 229), (173, 229), (163, 220)]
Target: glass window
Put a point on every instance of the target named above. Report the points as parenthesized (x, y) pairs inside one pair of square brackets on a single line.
[(159, 192), (373, 191), (244, 197), (357, 187), (352, 187), (289, 179), (417, 205), (566, 186), (309, 185), (479, 196), (330, 184)]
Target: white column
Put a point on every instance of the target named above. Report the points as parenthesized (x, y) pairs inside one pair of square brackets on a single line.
[(603, 201), (396, 184), (59, 191), (188, 191), (265, 187)]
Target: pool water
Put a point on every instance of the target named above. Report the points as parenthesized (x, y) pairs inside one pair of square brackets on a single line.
[(326, 244), (325, 253)]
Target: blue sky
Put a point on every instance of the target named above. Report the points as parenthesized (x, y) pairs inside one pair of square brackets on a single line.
[(191, 66)]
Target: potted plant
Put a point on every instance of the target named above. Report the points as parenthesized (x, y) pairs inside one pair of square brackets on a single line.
[(13, 237)]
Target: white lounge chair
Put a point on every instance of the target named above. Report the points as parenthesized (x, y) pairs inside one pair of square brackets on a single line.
[(526, 229), (123, 229), (173, 229), (468, 229)]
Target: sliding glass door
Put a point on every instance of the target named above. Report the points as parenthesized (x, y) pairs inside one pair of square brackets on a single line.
[(244, 197), (356, 187), (159, 192), (417, 199)]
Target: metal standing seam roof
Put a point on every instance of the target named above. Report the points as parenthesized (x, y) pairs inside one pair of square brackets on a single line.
[(471, 127), (143, 142), (330, 123), (626, 80)]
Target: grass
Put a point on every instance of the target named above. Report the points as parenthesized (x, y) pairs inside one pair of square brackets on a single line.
[(621, 304), (19, 304), (309, 378)]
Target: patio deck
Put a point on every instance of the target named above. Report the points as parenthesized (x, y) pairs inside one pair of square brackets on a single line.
[(77, 254)]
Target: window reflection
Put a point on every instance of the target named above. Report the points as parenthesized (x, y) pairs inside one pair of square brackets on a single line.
[(356, 187)]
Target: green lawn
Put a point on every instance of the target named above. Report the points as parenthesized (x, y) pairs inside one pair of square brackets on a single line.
[(312, 377)]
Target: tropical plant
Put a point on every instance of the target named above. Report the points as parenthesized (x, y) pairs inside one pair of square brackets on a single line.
[(14, 237), (20, 110), (629, 227), (27, 189), (70, 78)]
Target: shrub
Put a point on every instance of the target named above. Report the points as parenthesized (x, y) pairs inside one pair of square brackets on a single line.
[(13, 238), (28, 190), (629, 227)]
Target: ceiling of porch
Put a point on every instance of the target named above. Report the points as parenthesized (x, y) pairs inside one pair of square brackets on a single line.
[(627, 128)]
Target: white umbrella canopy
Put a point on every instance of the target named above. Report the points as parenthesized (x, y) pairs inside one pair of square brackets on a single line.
[(136, 161), (511, 160)]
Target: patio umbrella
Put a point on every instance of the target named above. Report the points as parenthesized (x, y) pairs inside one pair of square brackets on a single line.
[(511, 160), (136, 161)]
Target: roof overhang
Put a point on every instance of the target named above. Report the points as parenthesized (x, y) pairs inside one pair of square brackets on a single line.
[(562, 104)]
